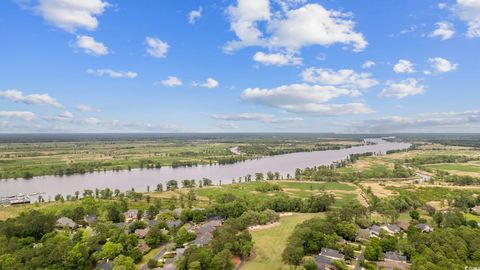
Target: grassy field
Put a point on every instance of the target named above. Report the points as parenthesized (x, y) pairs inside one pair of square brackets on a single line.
[(269, 243), (469, 216), (462, 167), (344, 193)]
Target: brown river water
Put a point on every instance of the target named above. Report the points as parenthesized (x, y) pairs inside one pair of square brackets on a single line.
[(139, 179)]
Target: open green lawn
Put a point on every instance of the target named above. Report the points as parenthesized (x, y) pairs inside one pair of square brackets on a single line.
[(148, 256), (469, 216), (344, 193), (463, 167), (269, 243)]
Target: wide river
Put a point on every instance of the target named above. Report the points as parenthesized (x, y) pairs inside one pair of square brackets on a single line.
[(140, 179)]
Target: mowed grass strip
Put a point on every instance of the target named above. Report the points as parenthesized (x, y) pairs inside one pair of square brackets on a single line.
[(270, 243), (463, 167)]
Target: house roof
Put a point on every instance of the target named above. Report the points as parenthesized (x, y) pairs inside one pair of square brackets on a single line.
[(104, 265), (143, 247), (152, 223), (392, 228), (332, 253), (141, 233), (90, 218), (391, 265), (66, 222), (424, 227), (173, 223), (206, 228), (393, 256), (375, 228), (132, 213), (203, 239), (322, 261)]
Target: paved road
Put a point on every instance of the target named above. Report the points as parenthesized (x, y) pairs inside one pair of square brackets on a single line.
[(360, 258)]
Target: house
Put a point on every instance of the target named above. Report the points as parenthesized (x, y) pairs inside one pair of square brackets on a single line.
[(143, 247), (326, 257), (178, 212), (375, 230), (391, 228), (104, 265), (152, 223), (64, 222), (215, 221), (424, 227), (476, 210), (403, 225), (323, 262), (131, 215), (363, 233), (203, 239), (332, 254), (391, 265), (141, 233), (90, 219), (174, 224), (394, 257), (205, 228)]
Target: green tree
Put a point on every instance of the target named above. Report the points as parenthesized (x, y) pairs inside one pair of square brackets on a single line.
[(195, 265), (111, 250), (222, 261), (78, 257), (414, 214), (123, 263)]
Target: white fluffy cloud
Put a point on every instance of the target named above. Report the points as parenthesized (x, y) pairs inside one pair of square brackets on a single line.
[(260, 117), (443, 31), (194, 15), (227, 126), (402, 89), (442, 65), (112, 73), (404, 66), (305, 98), (156, 48), (171, 81), (307, 25), (469, 12), (90, 46), (430, 122), (325, 27), (85, 108), (277, 59), (210, 84), (368, 64), (36, 99), (90, 121), (22, 115), (65, 116), (71, 15), (244, 18), (345, 78)]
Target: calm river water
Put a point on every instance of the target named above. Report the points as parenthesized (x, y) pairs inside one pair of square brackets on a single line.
[(140, 179)]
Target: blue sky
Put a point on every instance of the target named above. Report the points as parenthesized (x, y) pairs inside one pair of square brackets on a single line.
[(239, 66)]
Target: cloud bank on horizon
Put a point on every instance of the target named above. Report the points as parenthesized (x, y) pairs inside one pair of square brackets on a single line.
[(240, 65)]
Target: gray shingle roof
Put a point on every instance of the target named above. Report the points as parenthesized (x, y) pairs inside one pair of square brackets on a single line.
[(66, 222), (393, 256), (331, 253)]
